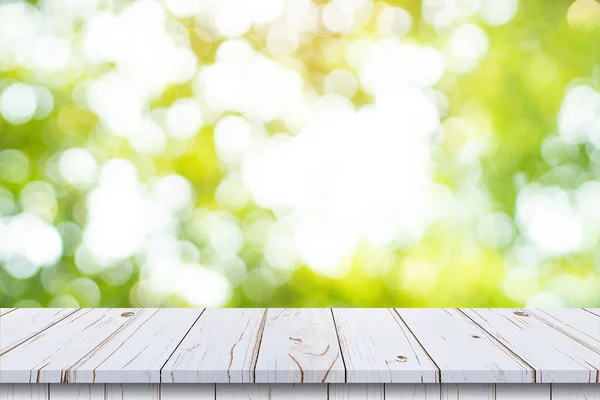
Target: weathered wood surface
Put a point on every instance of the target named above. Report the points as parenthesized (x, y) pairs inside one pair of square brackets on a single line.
[(555, 356), (222, 347), (378, 348), (368, 346), (579, 324), (49, 356), (137, 352), (462, 350), (278, 391), (299, 345), (17, 327)]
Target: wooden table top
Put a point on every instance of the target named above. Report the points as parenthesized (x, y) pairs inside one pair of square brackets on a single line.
[(299, 345)]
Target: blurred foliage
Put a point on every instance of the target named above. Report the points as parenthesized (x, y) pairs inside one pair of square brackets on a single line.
[(517, 89)]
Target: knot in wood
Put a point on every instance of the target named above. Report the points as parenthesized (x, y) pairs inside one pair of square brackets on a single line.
[(521, 314)]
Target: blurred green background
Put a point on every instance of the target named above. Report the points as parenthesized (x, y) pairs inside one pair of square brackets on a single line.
[(300, 154)]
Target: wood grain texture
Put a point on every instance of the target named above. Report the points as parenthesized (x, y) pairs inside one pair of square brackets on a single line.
[(299, 346), (539, 391), (221, 347), (187, 391), (48, 357), (462, 350), (575, 392), (378, 348), (76, 391), (356, 391), (595, 311), (471, 391), (412, 391), (17, 326), (132, 391), (556, 357), (576, 323), (277, 391), (19, 391), (136, 353)]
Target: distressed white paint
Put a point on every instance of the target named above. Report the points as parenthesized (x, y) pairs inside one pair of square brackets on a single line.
[(576, 392), (221, 347), (187, 391), (299, 346), (21, 391), (412, 391), (237, 345), (132, 391), (462, 350), (261, 391), (538, 391), (471, 391), (76, 391), (17, 326), (48, 357), (577, 323), (356, 391), (556, 357), (378, 348), (137, 352)]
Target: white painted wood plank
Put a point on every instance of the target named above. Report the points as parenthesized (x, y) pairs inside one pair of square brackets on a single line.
[(556, 357), (187, 391), (378, 348), (595, 311), (47, 358), (136, 353), (299, 346), (575, 392), (413, 391), (577, 323), (356, 391), (76, 391), (462, 350), (277, 391), (20, 325), (221, 347), (468, 391), (6, 311), (21, 391), (512, 391), (132, 391)]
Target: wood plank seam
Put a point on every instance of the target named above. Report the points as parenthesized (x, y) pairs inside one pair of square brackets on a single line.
[(261, 330), (178, 344), (100, 346), (438, 369), (556, 357), (591, 312), (337, 335), (548, 322), (500, 344), (5, 311), (37, 333)]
